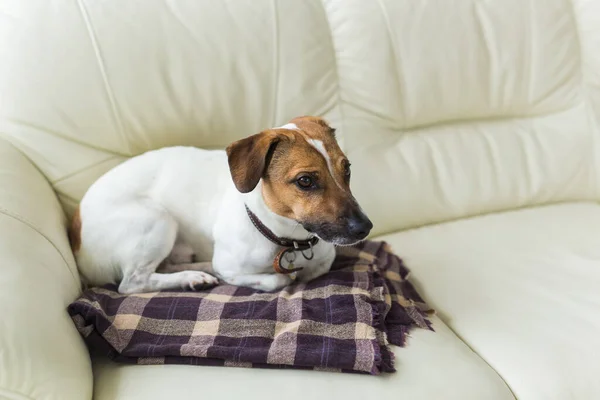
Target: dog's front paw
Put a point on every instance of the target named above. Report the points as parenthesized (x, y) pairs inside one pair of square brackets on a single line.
[(197, 280)]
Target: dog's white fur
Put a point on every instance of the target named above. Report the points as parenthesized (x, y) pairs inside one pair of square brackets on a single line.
[(165, 206)]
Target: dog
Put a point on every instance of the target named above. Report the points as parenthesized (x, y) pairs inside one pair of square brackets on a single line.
[(266, 211)]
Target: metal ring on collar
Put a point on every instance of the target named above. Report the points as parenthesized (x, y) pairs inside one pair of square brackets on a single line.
[(293, 253), (312, 253)]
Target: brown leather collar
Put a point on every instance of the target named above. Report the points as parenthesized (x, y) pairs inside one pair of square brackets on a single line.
[(291, 246)]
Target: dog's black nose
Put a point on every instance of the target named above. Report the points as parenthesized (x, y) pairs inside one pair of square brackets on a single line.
[(359, 225)]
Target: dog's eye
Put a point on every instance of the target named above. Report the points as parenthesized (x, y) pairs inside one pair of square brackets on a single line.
[(305, 182), (347, 169)]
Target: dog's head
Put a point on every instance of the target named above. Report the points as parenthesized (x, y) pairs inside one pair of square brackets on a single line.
[(306, 177)]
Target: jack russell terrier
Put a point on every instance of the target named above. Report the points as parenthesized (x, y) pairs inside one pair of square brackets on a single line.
[(266, 211)]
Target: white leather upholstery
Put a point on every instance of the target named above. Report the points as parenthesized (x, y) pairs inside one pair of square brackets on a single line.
[(41, 354), (123, 78), (521, 289), (447, 109), (468, 106)]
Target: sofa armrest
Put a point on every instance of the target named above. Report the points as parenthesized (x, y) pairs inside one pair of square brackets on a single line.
[(41, 353)]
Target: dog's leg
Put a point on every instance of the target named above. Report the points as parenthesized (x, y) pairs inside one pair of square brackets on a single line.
[(264, 282), (182, 253), (184, 279), (149, 241), (141, 282), (198, 266)]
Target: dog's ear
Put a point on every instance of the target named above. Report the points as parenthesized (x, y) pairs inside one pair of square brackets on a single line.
[(249, 158)]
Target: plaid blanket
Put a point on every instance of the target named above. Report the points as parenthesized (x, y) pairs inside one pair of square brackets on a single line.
[(342, 321)]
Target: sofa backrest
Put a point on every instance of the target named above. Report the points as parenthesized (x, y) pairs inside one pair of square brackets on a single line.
[(447, 109)]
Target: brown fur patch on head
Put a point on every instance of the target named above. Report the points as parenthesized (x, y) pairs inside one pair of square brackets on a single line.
[(305, 176), (75, 231), (313, 124), (330, 200)]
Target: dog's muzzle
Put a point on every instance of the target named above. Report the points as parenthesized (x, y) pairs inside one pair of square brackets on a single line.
[(348, 230)]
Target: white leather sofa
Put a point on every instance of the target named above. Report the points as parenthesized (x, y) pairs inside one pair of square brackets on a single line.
[(473, 128)]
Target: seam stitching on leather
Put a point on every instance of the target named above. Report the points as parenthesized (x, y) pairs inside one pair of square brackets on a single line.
[(87, 167), (400, 84), (100, 62), (28, 223), (575, 22), (340, 100), (484, 213), (66, 197), (484, 119), (13, 139), (276, 72), (594, 119)]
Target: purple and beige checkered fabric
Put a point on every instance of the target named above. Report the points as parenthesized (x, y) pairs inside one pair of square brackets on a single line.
[(342, 321)]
